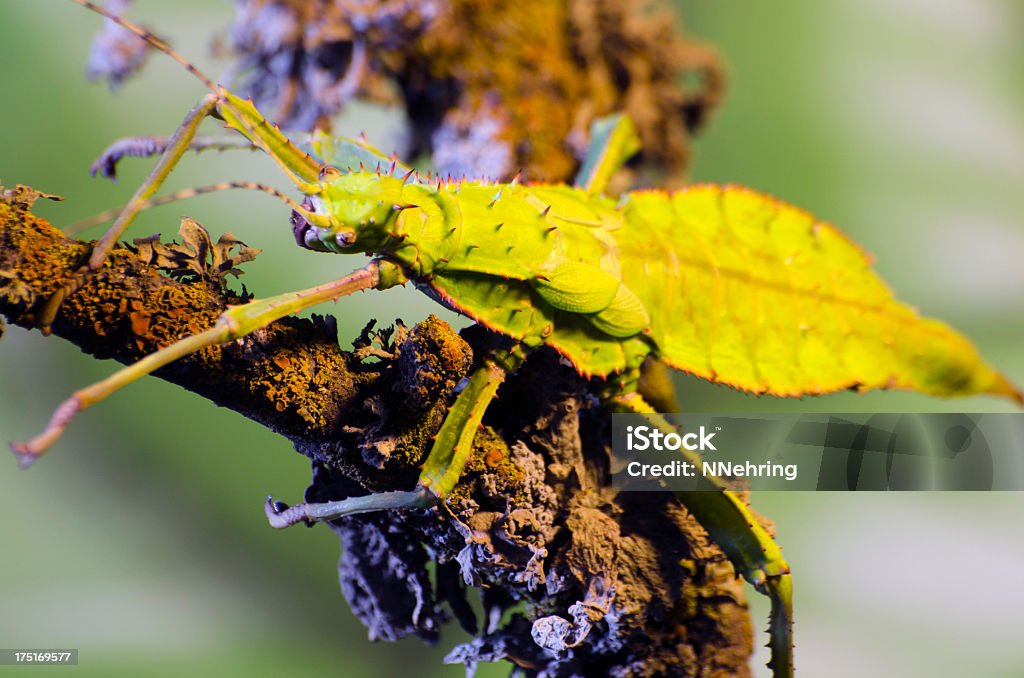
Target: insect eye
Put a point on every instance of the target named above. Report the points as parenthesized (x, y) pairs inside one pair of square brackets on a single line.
[(328, 171), (345, 238)]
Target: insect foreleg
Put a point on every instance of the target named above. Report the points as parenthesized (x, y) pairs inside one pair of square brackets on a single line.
[(176, 147), (448, 456), (752, 551), (144, 147), (238, 114), (234, 323)]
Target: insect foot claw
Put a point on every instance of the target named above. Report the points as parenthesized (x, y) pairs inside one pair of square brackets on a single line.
[(138, 147), (280, 515), (23, 454)]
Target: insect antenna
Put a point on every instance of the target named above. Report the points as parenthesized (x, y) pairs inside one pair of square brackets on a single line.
[(249, 125), (154, 41), (183, 194)]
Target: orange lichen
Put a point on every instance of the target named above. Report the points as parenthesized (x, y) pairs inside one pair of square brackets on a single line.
[(128, 309), (534, 73), (555, 66), (490, 463)]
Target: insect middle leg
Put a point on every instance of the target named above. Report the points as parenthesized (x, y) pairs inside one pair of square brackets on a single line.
[(445, 463)]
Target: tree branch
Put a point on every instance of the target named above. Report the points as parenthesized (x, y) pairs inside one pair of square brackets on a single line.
[(532, 520)]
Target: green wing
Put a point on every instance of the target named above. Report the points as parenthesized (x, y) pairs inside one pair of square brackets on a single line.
[(749, 291)]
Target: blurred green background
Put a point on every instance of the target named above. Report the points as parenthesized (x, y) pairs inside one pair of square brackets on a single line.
[(141, 540)]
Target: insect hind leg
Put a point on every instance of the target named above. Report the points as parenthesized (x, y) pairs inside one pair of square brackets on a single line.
[(736, 530), (613, 141)]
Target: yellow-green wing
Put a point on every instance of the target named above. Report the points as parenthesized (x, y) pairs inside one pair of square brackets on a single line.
[(746, 290)]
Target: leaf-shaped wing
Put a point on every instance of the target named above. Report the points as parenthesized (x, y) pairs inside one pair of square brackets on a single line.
[(749, 291)]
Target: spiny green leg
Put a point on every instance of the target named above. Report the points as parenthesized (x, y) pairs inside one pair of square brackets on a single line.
[(757, 557), (176, 147), (753, 552), (341, 152), (445, 463), (613, 141), (234, 323)]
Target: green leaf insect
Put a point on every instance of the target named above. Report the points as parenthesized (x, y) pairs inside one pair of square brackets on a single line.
[(719, 281)]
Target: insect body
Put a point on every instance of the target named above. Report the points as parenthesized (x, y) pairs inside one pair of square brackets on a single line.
[(607, 283), (723, 282), (509, 256)]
